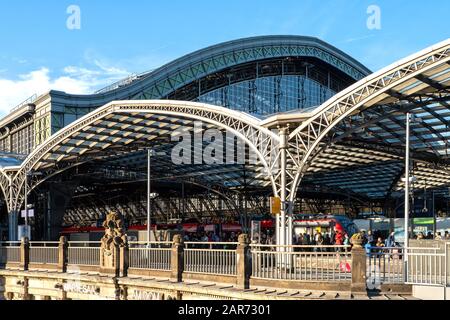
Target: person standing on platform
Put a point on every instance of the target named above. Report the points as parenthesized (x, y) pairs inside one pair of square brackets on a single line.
[(390, 241)]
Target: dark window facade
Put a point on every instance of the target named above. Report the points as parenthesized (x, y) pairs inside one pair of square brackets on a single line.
[(269, 86)]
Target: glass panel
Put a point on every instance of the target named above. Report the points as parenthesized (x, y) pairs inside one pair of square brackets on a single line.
[(268, 95)]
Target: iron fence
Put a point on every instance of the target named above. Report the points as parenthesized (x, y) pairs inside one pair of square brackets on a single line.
[(385, 265), (44, 252), (150, 258), (210, 258), (9, 252), (302, 263), (87, 254), (429, 266)]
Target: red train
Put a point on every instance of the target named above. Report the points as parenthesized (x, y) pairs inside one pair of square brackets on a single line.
[(187, 227)]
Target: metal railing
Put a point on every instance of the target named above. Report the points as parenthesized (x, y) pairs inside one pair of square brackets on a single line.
[(83, 253), (84, 244), (302, 263), (150, 258), (150, 244), (9, 252), (44, 244), (211, 245), (385, 265), (429, 266), (210, 258), (123, 82), (44, 252), (31, 99)]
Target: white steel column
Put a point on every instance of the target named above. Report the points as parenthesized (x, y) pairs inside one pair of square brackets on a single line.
[(283, 195), (12, 225), (26, 201), (290, 228), (277, 229), (12, 217)]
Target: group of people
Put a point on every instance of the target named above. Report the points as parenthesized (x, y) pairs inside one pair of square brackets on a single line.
[(211, 237), (429, 236), (389, 242), (266, 238), (336, 237), (372, 241), (373, 244)]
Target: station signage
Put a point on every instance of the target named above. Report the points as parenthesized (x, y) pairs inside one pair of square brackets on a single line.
[(275, 205), (30, 213), (322, 224)]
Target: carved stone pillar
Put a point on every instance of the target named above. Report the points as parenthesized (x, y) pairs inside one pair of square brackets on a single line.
[(110, 259), (24, 253), (359, 266), (63, 248), (124, 259), (177, 259), (243, 260), (112, 242)]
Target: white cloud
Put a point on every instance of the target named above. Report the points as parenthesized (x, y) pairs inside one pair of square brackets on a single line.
[(94, 72), (73, 79)]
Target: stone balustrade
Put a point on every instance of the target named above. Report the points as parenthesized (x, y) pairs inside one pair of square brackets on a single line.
[(210, 263)]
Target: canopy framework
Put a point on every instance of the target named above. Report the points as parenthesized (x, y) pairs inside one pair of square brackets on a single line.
[(419, 82), (122, 127)]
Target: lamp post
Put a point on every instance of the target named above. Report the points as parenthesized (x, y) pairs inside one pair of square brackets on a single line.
[(434, 214), (149, 212), (408, 121)]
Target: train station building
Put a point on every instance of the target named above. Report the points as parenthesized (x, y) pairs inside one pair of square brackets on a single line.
[(229, 127)]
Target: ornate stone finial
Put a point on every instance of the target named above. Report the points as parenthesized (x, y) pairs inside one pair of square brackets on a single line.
[(114, 232), (243, 239), (63, 240), (177, 239), (357, 240)]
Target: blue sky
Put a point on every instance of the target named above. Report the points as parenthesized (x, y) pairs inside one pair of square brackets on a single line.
[(117, 38)]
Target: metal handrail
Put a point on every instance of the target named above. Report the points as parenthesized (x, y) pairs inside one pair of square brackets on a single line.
[(150, 242), (217, 246), (84, 242), (298, 246), (27, 101), (44, 241), (424, 249), (436, 254), (204, 242), (206, 250), (43, 244)]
